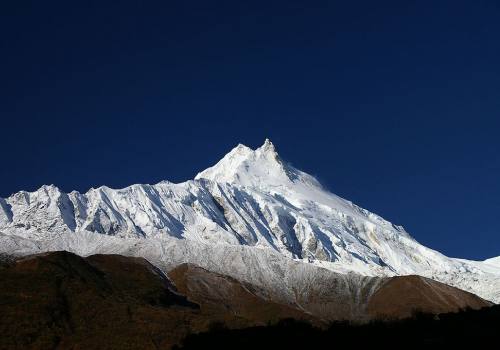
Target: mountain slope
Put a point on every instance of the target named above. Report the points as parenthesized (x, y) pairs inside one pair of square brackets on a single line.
[(61, 300), (401, 296), (251, 198)]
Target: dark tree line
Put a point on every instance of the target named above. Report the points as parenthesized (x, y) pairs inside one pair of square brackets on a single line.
[(467, 328)]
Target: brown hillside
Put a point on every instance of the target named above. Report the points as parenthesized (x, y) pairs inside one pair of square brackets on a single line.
[(402, 296)]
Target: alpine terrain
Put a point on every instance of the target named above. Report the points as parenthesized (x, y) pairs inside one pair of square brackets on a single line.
[(253, 220)]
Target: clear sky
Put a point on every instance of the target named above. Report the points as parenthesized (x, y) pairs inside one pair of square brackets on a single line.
[(391, 104)]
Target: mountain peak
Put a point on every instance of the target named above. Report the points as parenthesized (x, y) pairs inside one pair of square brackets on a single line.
[(268, 146), (239, 151), (247, 167), (259, 168), (251, 197)]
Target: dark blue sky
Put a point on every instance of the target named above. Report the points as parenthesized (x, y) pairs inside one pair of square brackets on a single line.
[(393, 105)]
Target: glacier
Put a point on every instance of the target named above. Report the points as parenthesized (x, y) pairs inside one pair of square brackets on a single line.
[(251, 216)]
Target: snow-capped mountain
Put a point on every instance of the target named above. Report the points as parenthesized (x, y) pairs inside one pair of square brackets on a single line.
[(249, 203)]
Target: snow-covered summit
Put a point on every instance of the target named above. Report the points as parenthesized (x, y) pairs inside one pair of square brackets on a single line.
[(250, 198), (255, 168)]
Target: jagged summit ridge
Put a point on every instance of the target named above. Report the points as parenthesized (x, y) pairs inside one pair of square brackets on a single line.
[(247, 167), (250, 198)]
